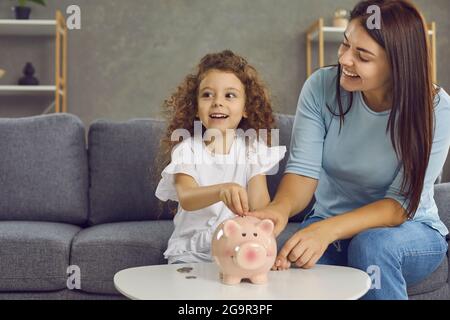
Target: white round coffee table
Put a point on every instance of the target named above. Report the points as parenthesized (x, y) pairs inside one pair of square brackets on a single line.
[(180, 282)]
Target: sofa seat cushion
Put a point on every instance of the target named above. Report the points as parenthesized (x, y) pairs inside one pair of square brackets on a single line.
[(34, 256), (103, 250), (434, 281)]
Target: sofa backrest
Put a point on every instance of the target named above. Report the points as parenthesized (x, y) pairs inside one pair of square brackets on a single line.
[(43, 169), (442, 198), (122, 163), (284, 123), (122, 172)]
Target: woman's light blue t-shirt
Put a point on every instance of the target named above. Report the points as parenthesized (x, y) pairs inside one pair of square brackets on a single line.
[(358, 166)]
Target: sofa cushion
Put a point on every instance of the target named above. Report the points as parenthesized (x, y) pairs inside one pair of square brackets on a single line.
[(43, 169), (101, 251), (435, 281), (34, 256), (442, 198), (122, 170), (284, 125)]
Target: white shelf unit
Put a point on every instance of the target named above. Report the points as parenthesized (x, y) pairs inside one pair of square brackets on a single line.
[(320, 33), (54, 28), (27, 27), (8, 90)]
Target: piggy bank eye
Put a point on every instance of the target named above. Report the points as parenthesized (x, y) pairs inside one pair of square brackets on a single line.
[(244, 234), (255, 234)]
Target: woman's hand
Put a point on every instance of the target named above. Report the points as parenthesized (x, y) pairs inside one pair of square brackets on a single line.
[(235, 198), (305, 247), (273, 213), (280, 220)]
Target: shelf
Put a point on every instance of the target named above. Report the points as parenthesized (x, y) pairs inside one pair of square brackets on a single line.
[(53, 28), (336, 34), (27, 27), (29, 90)]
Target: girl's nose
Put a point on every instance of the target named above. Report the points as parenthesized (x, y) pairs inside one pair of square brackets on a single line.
[(217, 102)]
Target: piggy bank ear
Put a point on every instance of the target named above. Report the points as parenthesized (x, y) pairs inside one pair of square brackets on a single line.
[(230, 228), (266, 226)]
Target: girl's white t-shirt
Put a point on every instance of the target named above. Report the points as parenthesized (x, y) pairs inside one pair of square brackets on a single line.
[(192, 236)]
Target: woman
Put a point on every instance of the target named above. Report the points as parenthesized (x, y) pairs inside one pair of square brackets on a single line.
[(370, 138)]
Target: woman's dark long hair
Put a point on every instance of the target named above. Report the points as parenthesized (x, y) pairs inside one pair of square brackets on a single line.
[(403, 34)]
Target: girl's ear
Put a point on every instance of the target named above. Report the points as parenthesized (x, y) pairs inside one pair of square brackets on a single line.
[(245, 116)]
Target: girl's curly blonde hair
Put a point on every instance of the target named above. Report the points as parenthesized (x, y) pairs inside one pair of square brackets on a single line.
[(181, 108)]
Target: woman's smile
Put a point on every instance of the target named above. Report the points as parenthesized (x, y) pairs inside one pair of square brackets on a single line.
[(349, 74)]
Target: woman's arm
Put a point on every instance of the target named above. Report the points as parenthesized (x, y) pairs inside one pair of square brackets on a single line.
[(306, 246), (293, 195), (382, 213), (258, 194), (192, 197)]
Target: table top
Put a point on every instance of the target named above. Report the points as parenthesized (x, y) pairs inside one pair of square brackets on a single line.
[(200, 281)]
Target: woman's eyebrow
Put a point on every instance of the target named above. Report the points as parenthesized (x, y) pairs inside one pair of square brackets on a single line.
[(359, 48)]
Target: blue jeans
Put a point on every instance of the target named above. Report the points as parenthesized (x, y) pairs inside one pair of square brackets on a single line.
[(395, 258)]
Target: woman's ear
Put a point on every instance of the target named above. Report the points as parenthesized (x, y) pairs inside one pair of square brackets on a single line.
[(245, 116)]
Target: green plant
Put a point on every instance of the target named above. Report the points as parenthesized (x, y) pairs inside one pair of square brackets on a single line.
[(22, 3)]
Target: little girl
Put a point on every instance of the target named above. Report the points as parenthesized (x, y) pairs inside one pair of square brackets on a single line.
[(222, 174)]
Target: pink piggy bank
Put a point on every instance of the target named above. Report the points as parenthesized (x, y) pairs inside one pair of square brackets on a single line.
[(244, 248)]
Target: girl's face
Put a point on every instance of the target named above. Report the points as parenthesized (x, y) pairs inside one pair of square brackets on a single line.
[(221, 100), (363, 61)]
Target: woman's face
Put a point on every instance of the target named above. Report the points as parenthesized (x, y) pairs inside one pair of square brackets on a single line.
[(363, 61), (221, 100)]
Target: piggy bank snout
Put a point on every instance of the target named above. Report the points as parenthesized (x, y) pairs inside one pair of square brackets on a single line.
[(251, 256)]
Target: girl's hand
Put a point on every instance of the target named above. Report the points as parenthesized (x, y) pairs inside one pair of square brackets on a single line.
[(235, 198), (305, 247)]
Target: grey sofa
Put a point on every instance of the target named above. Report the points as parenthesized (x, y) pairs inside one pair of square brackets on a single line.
[(64, 203)]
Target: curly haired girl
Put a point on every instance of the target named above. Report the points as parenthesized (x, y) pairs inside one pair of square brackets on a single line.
[(216, 178)]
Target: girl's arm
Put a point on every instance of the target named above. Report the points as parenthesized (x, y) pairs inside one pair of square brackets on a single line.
[(192, 197), (258, 194)]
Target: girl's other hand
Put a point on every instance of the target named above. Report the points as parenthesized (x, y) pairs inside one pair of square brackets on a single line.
[(235, 198)]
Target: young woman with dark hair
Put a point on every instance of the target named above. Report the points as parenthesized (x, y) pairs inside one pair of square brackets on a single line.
[(370, 138)]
